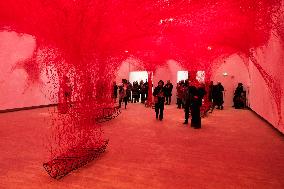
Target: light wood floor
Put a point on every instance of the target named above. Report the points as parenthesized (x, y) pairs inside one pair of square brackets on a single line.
[(234, 149)]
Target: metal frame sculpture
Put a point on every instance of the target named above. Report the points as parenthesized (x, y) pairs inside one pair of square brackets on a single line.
[(72, 160), (108, 114)]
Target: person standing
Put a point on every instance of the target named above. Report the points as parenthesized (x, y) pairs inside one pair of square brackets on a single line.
[(168, 92), (128, 91), (115, 88), (179, 94), (159, 95), (214, 97), (135, 92), (220, 96), (123, 93), (239, 97), (142, 91), (196, 96), (186, 100), (210, 91), (146, 88)]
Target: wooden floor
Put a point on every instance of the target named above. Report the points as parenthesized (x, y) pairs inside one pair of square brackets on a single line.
[(234, 149)]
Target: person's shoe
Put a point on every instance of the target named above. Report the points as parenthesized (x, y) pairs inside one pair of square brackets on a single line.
[(185, 123)]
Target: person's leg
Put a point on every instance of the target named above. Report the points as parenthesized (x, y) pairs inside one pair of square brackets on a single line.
[(197, 119), (170, 99), (157, 110), (221, 104), (195, 115), (179, 103), (161, 113), (125, 102), (186, 115), (120, 100)]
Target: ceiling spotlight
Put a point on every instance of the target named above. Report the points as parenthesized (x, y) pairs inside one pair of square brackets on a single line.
[(126, 51), (225, 74), (209, 48)]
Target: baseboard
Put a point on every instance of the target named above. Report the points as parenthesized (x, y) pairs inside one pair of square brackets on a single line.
[(266, 121), (26, 108)]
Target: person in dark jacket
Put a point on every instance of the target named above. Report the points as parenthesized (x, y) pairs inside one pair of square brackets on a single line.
[(146, 88), (193, 101), (168, 92), (239, 97), (219, 96), (115, 89), (196, 95), (186, 101), (135, 92), (123, 93), (159, 96), (179, 89), (143, 91)]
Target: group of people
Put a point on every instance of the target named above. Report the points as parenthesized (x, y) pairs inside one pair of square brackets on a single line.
[(191, 96), (128, 92), (216, 95)]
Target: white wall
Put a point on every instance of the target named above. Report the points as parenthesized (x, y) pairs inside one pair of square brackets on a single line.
[(260, 99), (237, 72), (271, 59), (167, 72), (15, 92)]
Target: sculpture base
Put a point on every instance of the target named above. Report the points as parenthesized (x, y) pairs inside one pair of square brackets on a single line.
[(72, 160)]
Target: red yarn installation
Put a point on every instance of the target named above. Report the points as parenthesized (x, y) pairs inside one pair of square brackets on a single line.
[(84, 41)]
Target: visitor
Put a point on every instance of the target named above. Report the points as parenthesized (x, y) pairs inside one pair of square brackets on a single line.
[(135, 92), (128, 91), (114, 94), (214, 99), (146, 86), (186, 101), (239, 97), (196, 95), (219, 96), (142, 91), (123, 93), (67, 88), (168, 92), (159, 98), (179, 89), (210, 91)]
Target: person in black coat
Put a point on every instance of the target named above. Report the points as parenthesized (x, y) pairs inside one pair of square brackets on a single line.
[(219, 97), (186, 101), (193, 101), (196, 96), (168, 92), (159, 96), (115, 89), (239, 97)]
